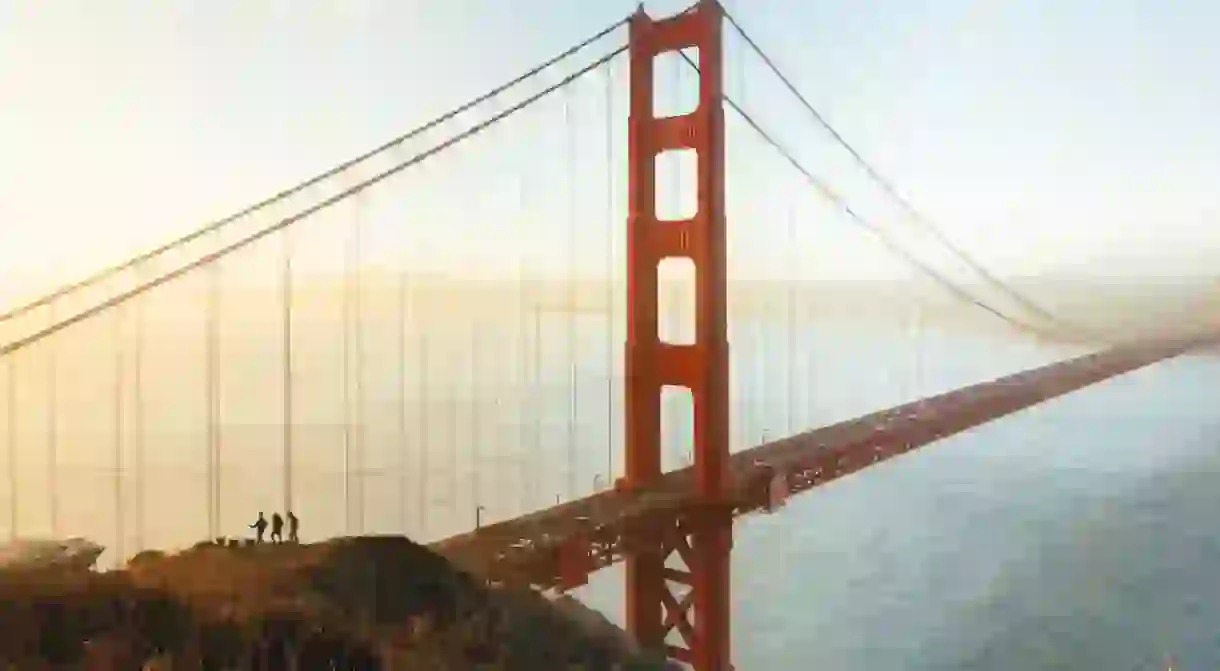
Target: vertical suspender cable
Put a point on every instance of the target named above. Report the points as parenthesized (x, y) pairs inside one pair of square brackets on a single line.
[(345, 354), (402, 397), (573, 359), (610, 229), (538, 395), (475, 433), (765, 335), (485, 380), (739, 386), (353, 347), (218, 420), (529, 349), (13, 479), (490, 379), (757, 420), (522, 392), (425, 410), (287, 286), (918, 333), (213, 397), (454, 424), (539, 386), (423, 405), (790, 337), (452, 354), (358, 336), (137, 419), (119, 362), (53, 425)]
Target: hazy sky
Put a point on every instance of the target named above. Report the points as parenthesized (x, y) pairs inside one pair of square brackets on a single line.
[(1041, 134)]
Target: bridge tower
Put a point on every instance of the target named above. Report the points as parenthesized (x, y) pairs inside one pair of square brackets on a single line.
[(703, 536)]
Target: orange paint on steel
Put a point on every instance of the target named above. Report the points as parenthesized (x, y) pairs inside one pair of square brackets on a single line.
[(702, 367)]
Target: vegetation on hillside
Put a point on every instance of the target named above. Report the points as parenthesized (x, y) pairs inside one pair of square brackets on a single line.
[(370, 602)]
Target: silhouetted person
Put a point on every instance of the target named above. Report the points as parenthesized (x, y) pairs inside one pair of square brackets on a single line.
[(277, 528), (293, 525), (259, 526)]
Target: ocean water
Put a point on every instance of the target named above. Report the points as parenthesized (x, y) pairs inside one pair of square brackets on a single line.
[(1077, 534), (1082, 534)]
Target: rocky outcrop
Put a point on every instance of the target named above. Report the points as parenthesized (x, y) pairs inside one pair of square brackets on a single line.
[(380, 602)]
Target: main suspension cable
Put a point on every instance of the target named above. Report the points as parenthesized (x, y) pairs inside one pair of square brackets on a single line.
[(890, 190), (293, 190), (889, 243), (251, 238)]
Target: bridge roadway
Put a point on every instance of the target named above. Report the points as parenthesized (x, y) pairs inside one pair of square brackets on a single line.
[(602, 528)]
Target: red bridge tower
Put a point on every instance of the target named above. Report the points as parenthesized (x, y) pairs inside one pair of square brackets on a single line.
[(703, 537)]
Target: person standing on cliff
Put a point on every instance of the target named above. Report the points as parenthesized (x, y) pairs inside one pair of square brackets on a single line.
[(293, 525), (259, 526), (277, 528)]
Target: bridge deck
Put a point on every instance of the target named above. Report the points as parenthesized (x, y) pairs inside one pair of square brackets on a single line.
[(526, 548)]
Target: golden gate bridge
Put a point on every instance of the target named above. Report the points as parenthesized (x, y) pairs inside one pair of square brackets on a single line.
[(157, 364)]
